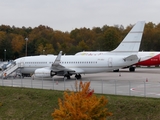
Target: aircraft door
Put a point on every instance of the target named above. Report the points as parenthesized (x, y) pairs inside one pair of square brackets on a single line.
[(22, 62), (110, 62)]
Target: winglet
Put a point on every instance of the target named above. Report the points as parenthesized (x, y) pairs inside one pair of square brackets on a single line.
[(131, 42), (57, 60)]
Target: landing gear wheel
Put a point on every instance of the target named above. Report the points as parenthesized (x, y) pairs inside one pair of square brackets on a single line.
[(67, 76), (132, 69), (78, 76), (116, 70)]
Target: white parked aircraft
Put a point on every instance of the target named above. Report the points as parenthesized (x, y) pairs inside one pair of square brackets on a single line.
[(66, 65), (146, 58)]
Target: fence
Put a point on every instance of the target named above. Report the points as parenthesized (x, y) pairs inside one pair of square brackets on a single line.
[(115, 87)]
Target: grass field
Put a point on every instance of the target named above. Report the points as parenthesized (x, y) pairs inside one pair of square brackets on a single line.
[(36, 104)]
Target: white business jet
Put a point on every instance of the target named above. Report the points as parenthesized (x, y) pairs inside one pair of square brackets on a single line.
[(67, 65)]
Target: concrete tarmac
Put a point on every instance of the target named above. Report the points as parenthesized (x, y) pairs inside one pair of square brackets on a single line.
[(144, 82)]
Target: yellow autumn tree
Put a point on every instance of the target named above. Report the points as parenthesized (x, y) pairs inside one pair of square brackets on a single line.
[(18, 43), (81, 105)]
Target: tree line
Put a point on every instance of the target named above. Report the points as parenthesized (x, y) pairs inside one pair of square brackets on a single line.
[(46, 40)]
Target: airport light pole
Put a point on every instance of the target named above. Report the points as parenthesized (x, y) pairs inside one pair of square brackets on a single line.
[(4, 54), (26, 39), (43, 52)]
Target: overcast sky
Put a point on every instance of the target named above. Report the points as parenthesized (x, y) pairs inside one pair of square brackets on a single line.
[(66, 15)]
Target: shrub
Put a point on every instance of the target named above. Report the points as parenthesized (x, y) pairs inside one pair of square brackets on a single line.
[(81, 105)]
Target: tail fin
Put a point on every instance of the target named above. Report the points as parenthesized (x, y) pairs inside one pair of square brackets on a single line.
[(131, 42)]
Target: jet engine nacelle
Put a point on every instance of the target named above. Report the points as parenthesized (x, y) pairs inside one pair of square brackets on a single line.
[(43, 72)]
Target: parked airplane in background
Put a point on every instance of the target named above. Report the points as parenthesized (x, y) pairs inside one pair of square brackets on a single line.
[(145, 58), (66, 65)]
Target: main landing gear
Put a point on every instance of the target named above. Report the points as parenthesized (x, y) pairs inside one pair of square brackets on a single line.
[(67, 76), (117, 70), (132, 69), (78, 76)]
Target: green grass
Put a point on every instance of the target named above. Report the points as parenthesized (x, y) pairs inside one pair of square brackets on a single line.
[(36, 104)]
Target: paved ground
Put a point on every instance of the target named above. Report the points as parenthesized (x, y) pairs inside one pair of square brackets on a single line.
[(143, 82)]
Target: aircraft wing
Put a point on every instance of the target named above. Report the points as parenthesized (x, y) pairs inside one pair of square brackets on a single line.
[(57, 60), (76, 70), (56, 66)]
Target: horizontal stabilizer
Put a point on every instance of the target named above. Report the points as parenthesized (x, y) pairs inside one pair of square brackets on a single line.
[(130, 58)]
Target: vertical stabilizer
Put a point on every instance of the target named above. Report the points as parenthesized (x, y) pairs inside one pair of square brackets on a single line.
[(131, 43)]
